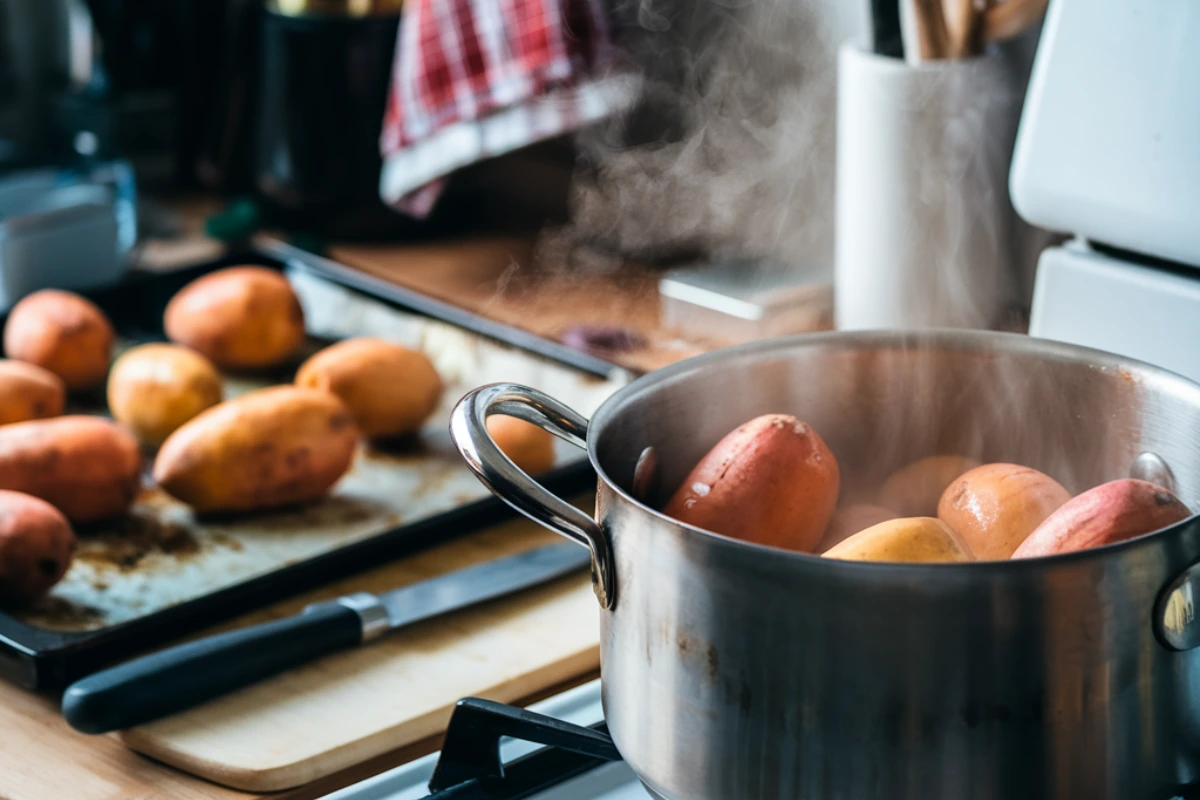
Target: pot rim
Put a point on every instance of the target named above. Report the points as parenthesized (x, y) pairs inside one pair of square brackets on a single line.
[(943, 338)]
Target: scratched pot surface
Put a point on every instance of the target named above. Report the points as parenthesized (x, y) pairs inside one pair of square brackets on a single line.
[(161, 555)]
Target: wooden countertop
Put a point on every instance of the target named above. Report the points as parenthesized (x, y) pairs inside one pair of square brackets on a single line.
[(42, 758)]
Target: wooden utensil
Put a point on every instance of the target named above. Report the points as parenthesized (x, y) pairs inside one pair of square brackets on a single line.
[(1011, 18), (930, 24)]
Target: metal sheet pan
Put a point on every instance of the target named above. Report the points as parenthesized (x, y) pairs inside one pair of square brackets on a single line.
[(161, 558)]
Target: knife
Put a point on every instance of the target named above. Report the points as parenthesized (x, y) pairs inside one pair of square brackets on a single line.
[(171, 680)]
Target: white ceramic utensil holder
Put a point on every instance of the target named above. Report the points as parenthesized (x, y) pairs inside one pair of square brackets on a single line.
[(926, 233)]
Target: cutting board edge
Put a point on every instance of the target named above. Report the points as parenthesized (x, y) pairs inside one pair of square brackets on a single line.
[(348, 754)]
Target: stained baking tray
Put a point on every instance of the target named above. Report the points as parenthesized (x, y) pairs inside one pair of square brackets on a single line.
[(161, 572)]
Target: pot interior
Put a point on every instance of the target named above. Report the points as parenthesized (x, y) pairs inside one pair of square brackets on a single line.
[(881, 401)]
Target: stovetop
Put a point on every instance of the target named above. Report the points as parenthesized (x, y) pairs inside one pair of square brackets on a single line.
[(556, 750)]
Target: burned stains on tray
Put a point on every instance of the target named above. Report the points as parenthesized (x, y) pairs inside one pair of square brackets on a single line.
[(125, 542)]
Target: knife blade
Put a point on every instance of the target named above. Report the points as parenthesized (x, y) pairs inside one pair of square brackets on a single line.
[(172, 680)]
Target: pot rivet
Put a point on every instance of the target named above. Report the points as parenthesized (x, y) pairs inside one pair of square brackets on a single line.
[(1151, 467)]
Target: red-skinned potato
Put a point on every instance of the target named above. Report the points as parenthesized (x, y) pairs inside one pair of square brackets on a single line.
[(996, 506), (87, 467), (63, 333), (1112, 512), (36, 547), (850, 520), (771, 481)]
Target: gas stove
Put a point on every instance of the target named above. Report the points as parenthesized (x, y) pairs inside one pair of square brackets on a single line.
[(555, 750)]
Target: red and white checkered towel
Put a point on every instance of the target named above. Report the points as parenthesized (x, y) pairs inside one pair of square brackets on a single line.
[(474, 79)]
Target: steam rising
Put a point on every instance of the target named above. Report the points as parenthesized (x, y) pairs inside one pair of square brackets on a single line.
[(732, 143)]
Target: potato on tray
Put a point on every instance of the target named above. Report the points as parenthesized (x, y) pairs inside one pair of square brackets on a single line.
[(528, 446), (28, 392), (391, 390), (238, 318), (36, 547), (89, 468), (63, 333), (155, 388), (273, 447), (772, 481)]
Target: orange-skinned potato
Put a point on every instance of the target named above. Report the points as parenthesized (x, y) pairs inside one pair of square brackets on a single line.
[(238, 318), (916, 489), (89, 468), (996, 506), (273, 447), (771, 481), (391, 390), (1111, 512), (155, 388), (28, 391), (850, 520), (914, 540), (63, 333), (531, 448), (36, 547)]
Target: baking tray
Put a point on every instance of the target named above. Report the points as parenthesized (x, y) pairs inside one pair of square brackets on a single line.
[(161, 572)]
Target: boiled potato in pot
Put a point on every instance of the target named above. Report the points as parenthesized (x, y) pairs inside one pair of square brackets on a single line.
[(63, 333), (850, 520), (155, 388), (391, 390), (772, 481), (996, 506), (1109, 513), (29, 392), (272, 447), (916, 489), (238, 318)]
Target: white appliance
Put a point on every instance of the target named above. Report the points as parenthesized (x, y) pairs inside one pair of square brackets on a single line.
[(1108, 150)]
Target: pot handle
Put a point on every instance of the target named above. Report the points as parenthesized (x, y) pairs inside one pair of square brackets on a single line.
[(468, 429)]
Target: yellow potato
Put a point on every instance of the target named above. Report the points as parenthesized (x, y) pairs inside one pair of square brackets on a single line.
[(155, 388), (273, 447), (239, 318), (389, 389), (850, 520), (924, 540), (62, 332), (531, 448), (89, 468), (28, 391), (914, 490), (36, 547)]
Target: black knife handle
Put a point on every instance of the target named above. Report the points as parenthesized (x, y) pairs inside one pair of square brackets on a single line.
[(172, 680)]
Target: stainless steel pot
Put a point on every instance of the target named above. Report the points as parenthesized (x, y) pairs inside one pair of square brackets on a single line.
[(736, 671)]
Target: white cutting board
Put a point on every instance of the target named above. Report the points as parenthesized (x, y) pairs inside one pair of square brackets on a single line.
[(344, 709)]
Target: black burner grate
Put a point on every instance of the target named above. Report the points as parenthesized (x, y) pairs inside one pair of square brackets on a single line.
[(470, 767)]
